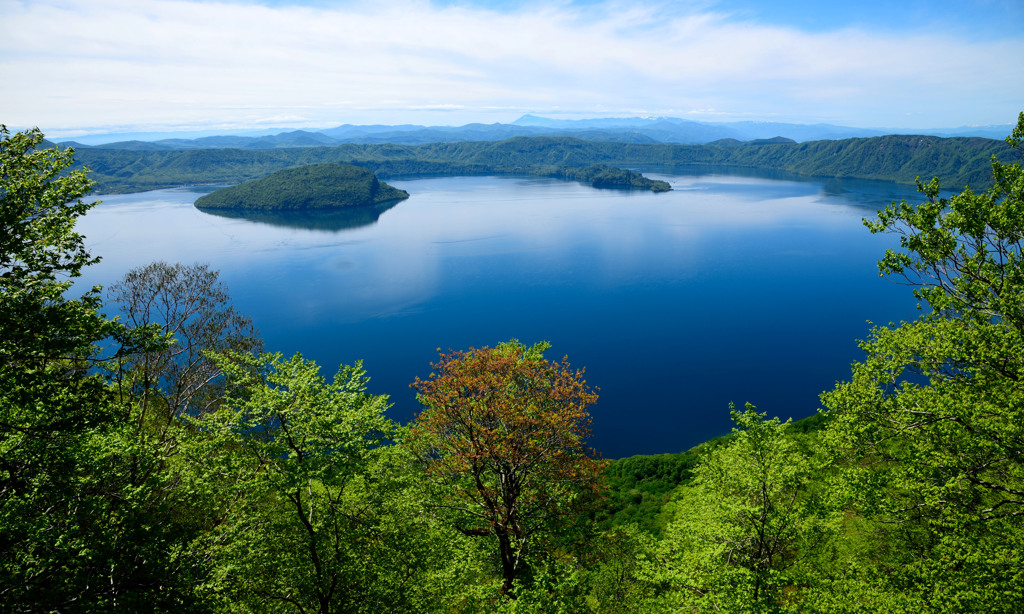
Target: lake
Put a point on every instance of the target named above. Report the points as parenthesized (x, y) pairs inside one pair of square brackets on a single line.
[(730, 288)]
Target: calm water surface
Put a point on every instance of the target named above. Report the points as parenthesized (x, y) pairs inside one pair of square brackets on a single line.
[(728, 288)]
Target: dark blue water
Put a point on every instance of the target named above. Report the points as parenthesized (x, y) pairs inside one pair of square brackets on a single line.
[(728, 288)]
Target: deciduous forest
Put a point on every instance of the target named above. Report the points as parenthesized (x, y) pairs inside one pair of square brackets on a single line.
[(165, 460), (959, 161)]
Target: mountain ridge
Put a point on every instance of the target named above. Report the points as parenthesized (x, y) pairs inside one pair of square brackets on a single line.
[(957, 161), (624, 129)]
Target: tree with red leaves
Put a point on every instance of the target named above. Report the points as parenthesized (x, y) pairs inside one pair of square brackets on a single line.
[(502, 437)]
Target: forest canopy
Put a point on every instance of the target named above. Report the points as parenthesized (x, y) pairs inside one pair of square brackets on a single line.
[(901, 158), (305, 188), (183, 468)]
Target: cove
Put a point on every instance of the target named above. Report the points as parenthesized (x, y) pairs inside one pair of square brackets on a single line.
[(730, 288)]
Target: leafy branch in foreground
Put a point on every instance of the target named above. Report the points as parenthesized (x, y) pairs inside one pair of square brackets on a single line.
[(933, 419), (50, 403), (293, 459)]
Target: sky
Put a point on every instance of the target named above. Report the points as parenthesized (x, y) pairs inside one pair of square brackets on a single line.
[(80, 67)]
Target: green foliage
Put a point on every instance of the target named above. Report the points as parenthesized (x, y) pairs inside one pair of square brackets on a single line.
[(310, 507), (901, 158), (932, 421), (185, 472), (50, 403), (614, 578), (91, 514), (310, 187), (744, 525), (150, 515), (958, 161), (640, 486)]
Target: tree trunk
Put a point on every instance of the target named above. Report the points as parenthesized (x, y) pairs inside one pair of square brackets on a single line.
[(508, 564)]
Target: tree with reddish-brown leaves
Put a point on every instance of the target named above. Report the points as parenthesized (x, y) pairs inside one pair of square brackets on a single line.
[(502, 437)]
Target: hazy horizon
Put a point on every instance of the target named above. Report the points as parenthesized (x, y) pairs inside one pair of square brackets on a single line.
[(101, 138), (81, 67)]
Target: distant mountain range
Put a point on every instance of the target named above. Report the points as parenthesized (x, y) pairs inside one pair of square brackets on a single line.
[(620, 130)]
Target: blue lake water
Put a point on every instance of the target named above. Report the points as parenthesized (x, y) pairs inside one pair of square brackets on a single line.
[(729, 288)]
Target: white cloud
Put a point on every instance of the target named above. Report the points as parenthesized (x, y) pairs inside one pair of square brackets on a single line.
[(148, 63)]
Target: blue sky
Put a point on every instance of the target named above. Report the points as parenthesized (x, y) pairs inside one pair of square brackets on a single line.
[(75, 67)]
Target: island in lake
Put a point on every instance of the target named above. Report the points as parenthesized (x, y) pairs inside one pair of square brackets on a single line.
[(314, 187), (601, 176)]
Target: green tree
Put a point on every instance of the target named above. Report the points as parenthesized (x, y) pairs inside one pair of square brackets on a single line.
[(90, 516), (51, 404), (744, 524), (501, 437), (616, 570), (312, 500), (932, 421), (174, 315)]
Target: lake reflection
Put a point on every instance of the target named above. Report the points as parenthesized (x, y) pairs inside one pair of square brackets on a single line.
[(329, 221), (729, 288)]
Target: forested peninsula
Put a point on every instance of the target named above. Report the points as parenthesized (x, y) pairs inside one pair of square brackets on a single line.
[(313, 187), (957, 161)]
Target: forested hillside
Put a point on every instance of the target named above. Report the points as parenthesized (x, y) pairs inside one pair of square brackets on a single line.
[(165, 461), (314, 187), (956, 161)]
